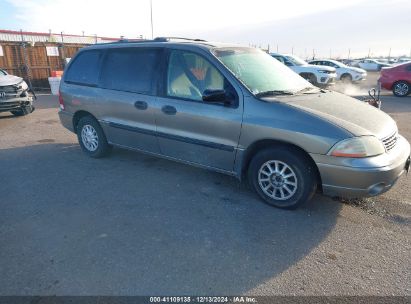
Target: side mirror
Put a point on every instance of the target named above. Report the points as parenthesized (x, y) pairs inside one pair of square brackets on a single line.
[(216, 96)]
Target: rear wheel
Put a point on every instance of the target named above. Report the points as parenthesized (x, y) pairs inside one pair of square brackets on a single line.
[(401, 88), (92, 138), (283, 177)]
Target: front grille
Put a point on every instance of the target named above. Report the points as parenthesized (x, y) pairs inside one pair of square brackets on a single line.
[(8, 92), (9, 89), (4, 106), (390, 141)]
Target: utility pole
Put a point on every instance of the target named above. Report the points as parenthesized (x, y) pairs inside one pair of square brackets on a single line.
[(389, 54), (292, 50), (26, 60), (349, 53), (63, 54), (151, 13)]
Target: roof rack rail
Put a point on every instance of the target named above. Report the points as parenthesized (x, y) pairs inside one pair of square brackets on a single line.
[(157, 39), (165, 39)]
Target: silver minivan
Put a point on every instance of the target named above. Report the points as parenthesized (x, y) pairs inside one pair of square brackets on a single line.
[(231, 109)]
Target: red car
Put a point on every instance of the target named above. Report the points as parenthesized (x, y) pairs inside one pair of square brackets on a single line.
[(397, 79)]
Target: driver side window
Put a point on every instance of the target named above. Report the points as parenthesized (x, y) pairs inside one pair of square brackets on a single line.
[(189, 75)]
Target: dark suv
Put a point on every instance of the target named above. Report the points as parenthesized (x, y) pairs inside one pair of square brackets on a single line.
[(234, 110)]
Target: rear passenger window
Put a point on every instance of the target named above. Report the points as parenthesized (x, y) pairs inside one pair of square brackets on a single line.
[(130, 70), (84, 69)]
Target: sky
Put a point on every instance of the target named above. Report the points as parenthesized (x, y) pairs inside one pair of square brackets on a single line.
[(323, 27)]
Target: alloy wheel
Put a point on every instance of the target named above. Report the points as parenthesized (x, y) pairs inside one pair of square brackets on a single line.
[(277, 180)]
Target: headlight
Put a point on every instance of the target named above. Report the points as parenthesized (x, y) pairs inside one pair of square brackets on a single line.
[(24, 86), (356, 147)]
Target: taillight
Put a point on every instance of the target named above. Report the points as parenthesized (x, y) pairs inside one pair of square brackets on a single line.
[(61, 101)]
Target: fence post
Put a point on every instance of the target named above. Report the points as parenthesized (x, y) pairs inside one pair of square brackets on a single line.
[(26, 60), (63, 55)]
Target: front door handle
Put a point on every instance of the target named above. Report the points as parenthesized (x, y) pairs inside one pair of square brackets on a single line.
[(141, 105), (169, 110)]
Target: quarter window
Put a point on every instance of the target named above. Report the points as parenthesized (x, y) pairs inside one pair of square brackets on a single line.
[(189, 75), (85, 68), (131, 70)]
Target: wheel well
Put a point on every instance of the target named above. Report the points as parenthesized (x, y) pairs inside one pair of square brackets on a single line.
[(270, 143), (346, 75), (79, 115), (395, 82)]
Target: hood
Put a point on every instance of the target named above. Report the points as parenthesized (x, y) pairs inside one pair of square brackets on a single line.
[(351, 114), (8, 80), (320, 67)]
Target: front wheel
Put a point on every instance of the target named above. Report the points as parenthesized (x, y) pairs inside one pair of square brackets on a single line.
[(346, 78), (310, 78), (401, 88), (92, 138), (283, 177)]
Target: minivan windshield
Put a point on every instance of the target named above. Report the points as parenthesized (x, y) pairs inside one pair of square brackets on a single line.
[(260, 73)]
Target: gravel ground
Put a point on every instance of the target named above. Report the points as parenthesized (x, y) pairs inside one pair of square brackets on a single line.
[(131, 224)]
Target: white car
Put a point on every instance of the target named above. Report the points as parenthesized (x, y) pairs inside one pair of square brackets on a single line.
[(345, 73), (372, 65), (317, 75), (402, 60)]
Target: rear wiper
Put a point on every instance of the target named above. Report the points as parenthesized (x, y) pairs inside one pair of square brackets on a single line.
[(273, 93)]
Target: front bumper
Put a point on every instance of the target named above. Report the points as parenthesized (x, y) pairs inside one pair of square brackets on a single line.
[(359, 77), (362, 177), (326, 79), (10, 104)]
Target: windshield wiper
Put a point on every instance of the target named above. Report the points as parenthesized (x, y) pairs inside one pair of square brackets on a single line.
[(273, 93), (308, 90)]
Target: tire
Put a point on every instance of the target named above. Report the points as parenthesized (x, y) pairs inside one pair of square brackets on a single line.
[(310, 78), (298, 169), (23, 111), (346, 78), (91, 137), (401, 88)]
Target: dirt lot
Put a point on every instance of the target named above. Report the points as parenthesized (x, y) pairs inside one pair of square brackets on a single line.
[(131, 224)]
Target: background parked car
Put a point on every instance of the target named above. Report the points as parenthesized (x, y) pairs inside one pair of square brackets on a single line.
[(372, 64), (14, 95), (317, 75), (403, 60), (397, 79), (344, 72)]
